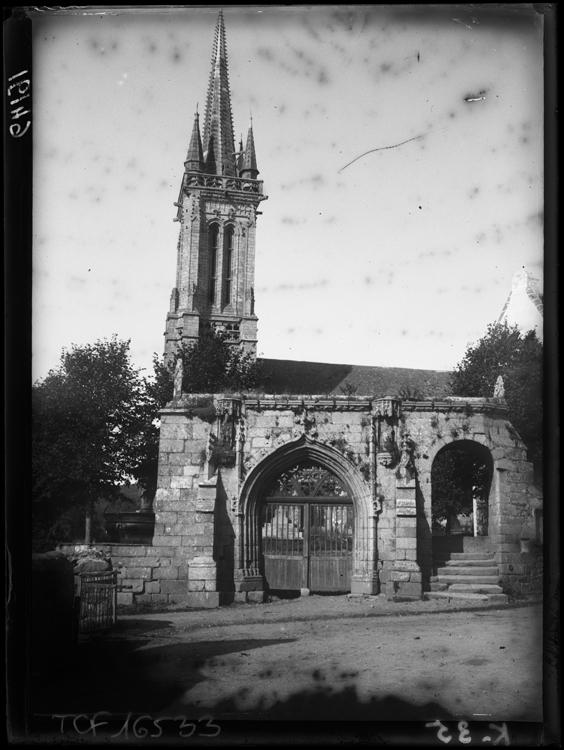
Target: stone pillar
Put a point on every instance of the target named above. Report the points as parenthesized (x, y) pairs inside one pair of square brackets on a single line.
[(406, 579), (249, 583), (365, 580), (202, 570)]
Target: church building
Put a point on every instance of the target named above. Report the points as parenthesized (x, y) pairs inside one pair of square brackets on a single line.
[(314, 487)]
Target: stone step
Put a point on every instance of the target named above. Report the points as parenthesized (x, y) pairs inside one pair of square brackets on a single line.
[(488, 580), (464, 571), (485, 555), (436, 586), (450, 595), (469, 563), (477, 588), (454, 595)]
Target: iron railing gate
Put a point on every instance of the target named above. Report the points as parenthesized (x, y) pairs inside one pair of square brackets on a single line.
[(307, 528), (308, 545), (330, 547), (96, 595)]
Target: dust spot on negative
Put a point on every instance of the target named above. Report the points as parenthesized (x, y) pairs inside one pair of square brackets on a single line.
[(476, 661), (265, 53)]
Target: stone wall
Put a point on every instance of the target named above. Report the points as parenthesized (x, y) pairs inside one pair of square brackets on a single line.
[(218, 456), (513, 497), (145, 573), (214, 467)]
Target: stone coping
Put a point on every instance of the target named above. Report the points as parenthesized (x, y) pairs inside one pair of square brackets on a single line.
[(458, 404), (380, 405), (102, 546)]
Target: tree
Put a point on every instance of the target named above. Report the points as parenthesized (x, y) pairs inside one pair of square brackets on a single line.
[(459, 475), (91, 419), (95, 425), (518, 358), (210, 365)]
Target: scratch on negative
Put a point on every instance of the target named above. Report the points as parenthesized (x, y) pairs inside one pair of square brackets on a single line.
[(383, 148)]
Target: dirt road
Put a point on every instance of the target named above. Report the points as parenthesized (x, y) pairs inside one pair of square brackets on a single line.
[(314, 658)]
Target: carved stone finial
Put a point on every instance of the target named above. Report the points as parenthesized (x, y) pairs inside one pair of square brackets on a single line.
[(499, 389)]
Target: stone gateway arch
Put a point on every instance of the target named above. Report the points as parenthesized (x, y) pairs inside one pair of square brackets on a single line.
[(329, 504), (247, 498)]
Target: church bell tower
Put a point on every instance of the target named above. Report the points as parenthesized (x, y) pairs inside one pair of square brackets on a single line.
[(217, 211)]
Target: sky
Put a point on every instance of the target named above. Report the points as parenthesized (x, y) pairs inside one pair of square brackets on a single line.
[(401, 148)]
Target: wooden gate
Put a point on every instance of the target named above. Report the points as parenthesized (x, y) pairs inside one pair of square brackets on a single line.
[(307, 531)]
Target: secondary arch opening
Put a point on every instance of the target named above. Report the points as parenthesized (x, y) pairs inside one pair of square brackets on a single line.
[(461, 478)]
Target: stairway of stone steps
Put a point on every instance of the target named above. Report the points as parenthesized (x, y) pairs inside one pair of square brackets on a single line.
[(467, 575)]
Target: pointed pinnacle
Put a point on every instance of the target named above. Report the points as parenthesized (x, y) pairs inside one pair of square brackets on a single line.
[(218, 122)]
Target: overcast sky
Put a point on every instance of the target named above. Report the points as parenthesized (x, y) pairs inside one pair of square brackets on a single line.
[(400, 259)]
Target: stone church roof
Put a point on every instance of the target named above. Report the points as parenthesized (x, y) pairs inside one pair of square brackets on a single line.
[(287, 376)]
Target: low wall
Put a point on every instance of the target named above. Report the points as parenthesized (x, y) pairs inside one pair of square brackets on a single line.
[(145, 573), (521, 571)]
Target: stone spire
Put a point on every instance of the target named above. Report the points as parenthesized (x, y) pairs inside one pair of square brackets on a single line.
[(524, 306), (249, 169), (217, 211), (218, 123), (195, 158)]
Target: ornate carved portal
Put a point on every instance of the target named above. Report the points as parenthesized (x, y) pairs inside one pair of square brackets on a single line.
[(333, 510), (307, 531)]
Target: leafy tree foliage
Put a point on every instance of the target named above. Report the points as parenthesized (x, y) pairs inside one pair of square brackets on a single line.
[(95, 426), (458, 476), (209, 365), (518, 358), (91, 420)]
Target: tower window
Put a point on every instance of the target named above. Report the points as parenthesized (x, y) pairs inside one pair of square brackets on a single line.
[(214, 238), (227, 265)]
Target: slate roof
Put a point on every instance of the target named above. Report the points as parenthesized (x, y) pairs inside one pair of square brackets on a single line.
[(316, 378)]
